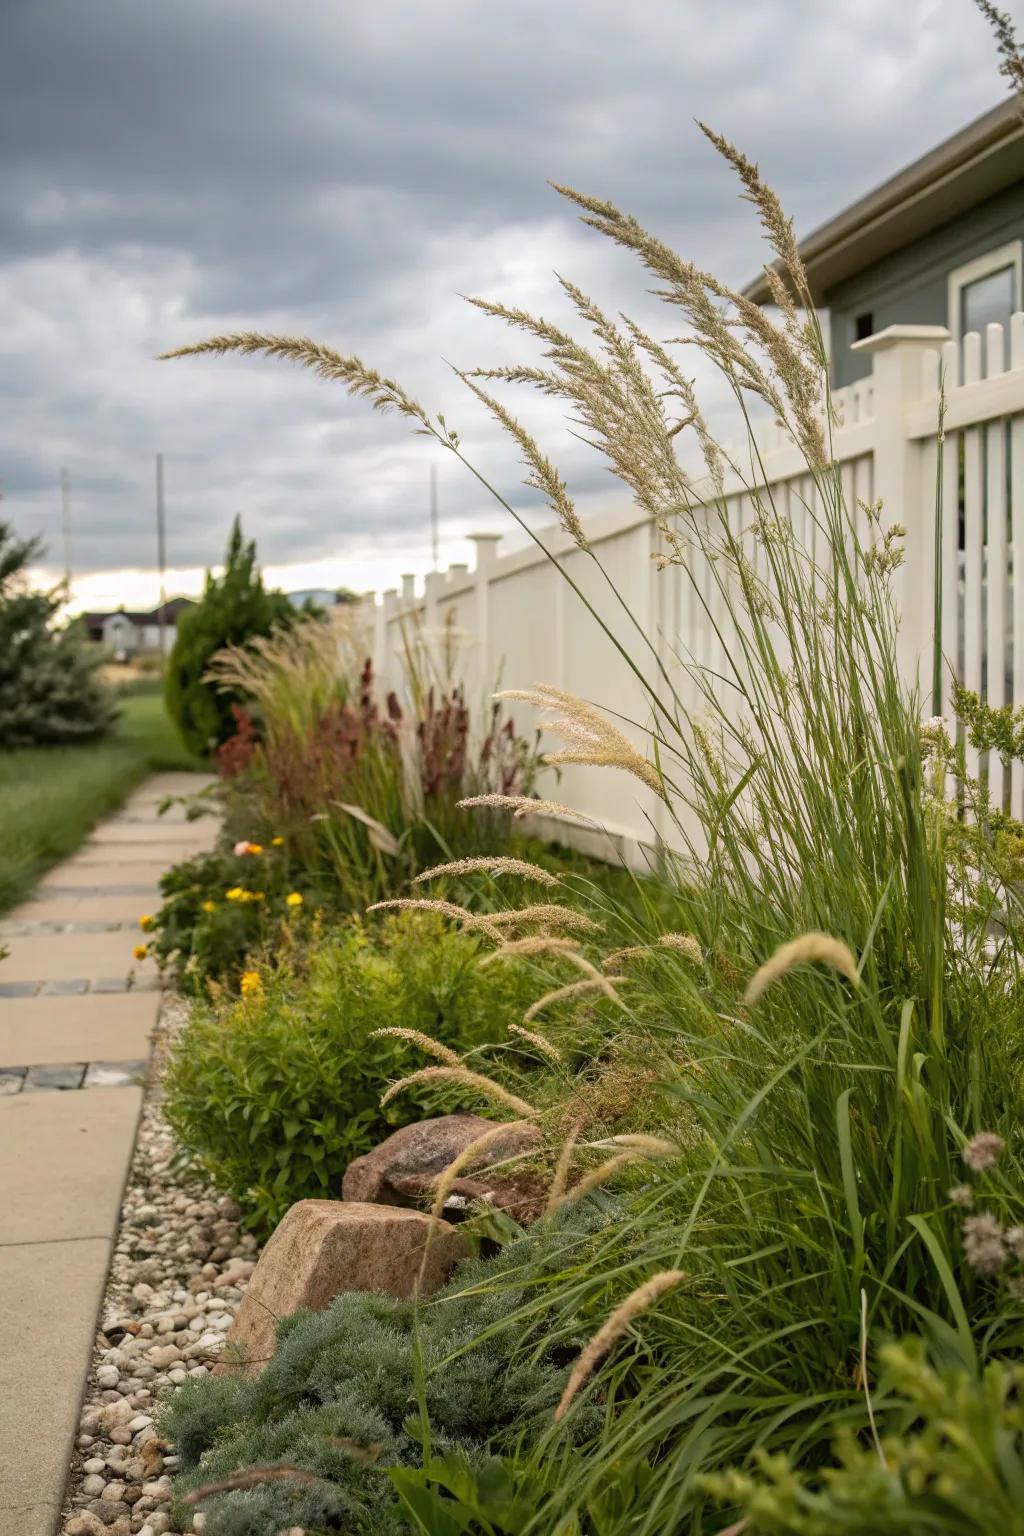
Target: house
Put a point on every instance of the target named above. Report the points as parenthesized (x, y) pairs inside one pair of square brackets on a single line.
[(940, 243), (136, 634), (316, 597)]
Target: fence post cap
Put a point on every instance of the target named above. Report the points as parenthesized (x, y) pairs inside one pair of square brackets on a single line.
[(486, 547), (894, 335)]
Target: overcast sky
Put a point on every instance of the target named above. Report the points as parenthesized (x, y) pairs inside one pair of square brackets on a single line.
[(174, 168)]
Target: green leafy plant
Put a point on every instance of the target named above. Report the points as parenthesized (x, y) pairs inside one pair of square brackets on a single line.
[(221, 910), (50, 691), (234, 607), (957, 1468), (275, 1092)]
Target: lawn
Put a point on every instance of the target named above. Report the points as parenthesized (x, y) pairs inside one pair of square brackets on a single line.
[(50, 798)]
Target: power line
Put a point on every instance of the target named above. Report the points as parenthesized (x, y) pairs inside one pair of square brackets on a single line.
[(161, 553), (65, 508)]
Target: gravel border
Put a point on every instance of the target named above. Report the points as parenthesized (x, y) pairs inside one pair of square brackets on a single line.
[(179, 1270)]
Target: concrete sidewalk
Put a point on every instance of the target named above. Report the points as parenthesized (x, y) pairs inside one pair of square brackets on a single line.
[(76, 1016)]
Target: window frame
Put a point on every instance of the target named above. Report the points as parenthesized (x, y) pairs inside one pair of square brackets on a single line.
[(1009, 255)]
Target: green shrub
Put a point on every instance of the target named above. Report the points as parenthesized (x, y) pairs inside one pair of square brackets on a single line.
[(277, 1091), (50, 694), (353, 1378), (234, 607), (957, 1470)]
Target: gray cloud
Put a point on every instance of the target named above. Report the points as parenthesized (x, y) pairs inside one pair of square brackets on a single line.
[(171, 170)]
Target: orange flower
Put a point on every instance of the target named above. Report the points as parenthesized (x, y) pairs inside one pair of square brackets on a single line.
[(140, 951)]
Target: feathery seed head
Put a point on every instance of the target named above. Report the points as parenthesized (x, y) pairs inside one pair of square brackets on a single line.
[(524, 805), (549, 913), (685, 943), (574, 990), (591, 738), (596, 1177), (532, 944), (492, 865), (650, 1146), (462, 1075), (561, 1173), (808, 949), (445, 908), (385, 394), (425, 1042), (616, 1324), (544, 1046)]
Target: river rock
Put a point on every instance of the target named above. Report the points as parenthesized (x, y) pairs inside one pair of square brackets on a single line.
[(402, 1169), (322, 1248)]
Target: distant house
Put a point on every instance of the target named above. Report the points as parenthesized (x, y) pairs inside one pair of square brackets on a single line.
[(938, 244), (318, 597), (136, 634)]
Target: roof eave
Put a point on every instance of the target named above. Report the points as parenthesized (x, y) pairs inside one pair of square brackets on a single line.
[(983, 158)]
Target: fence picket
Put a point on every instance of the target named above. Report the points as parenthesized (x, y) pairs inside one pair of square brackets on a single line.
[(974, 516), (996, 554), (1017, 574)]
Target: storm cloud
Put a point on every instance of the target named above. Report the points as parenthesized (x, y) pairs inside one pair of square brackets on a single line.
[(170, 170)]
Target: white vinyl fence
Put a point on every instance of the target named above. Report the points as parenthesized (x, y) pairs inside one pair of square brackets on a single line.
[(515, 620)]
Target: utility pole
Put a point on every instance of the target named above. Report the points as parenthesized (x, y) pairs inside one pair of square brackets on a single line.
[(65, 507), (433, 517), (161, 554)]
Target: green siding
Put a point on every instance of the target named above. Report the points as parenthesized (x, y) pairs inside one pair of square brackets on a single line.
[(910, 286)]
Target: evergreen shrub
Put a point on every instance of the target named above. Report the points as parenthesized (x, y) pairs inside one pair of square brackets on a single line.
[(50, 691), (234, 608)]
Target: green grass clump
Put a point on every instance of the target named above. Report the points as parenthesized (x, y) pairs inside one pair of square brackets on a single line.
[(277, 1091), (52, 797)]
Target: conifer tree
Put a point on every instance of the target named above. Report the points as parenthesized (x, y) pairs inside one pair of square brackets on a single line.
[(50, 690), (235, 607)]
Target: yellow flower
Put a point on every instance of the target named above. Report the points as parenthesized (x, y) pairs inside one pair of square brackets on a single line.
[(251, 984), (209, 906), (236, 894), (146, 923), (140, 951), (293, 899), (255, 895), (277, 842)]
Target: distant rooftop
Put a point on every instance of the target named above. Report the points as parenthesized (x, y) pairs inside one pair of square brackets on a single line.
[(170, 610)]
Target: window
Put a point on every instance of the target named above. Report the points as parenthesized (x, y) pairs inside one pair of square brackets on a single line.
[(864, 326), (986, 291)]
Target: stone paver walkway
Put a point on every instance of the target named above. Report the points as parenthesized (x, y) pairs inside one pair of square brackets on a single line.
[(76, 1016)]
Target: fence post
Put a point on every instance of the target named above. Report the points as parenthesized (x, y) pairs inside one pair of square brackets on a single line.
[(897, 356), (486, 554)]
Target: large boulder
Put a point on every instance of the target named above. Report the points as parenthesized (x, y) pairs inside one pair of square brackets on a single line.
[(401, 1170), (321, 1248)]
